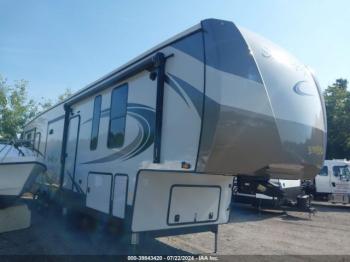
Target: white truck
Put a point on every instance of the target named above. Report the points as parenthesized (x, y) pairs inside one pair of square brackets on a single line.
[(333, 181)]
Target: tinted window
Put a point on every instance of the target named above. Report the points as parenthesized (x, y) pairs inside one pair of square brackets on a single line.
[(336, 170), (342, 171), (324, 171), (95, 122), (37, 140), (116, 132), (31, 137)]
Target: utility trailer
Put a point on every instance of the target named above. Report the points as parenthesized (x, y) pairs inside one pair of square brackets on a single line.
[(155, 144)]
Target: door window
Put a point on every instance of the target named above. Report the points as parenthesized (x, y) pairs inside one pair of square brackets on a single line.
[(324, 171), (342, 172)]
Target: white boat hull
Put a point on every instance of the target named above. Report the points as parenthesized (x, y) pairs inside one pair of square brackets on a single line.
[(16, 177)]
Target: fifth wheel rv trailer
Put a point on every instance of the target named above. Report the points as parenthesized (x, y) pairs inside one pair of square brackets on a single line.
[(156, 143)]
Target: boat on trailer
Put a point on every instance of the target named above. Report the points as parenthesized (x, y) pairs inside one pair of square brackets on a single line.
[(20, 165), (155, 144)]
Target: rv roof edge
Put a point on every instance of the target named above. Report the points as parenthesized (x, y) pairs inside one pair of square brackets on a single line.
[(189, 31), (147, 64)]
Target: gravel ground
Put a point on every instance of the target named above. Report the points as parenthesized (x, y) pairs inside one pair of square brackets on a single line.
[(276, 233), (248, 232)]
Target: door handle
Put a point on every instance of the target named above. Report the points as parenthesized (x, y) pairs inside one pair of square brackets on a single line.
[(333, 184)]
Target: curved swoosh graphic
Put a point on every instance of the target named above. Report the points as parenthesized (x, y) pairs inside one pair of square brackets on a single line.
[(147, 138), (196, 97), (120, 153), (145, 117), (297, 89), (173, 85)]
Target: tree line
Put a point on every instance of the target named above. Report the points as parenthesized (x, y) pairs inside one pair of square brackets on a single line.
[(16, 109), (337, 100)]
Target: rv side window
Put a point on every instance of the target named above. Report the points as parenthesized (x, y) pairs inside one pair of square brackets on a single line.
[(37, 140), (30, 136), (324, 171), (95, 122), (119, 101)]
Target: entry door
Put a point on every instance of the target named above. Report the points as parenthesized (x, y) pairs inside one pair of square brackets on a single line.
[(322, 180), (340, 179), (53, 149), (71, 154)]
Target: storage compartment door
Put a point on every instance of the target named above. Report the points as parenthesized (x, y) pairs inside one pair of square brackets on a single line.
[(193, 204), (98, 194), (120, 195), (167, 200)]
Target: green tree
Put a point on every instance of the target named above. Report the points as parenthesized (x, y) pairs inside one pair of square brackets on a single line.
[(15, 108), (45, 103), (67, 93), (337, 100)]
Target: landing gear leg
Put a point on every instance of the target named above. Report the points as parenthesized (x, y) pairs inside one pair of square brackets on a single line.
[(309, 207), (135, 241), (216, 232), (135, 238), (259, 206)]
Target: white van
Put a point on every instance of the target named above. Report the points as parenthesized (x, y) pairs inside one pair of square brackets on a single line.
[(333, 180)]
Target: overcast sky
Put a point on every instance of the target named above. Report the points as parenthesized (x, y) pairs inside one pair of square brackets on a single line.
[(70, 43)]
